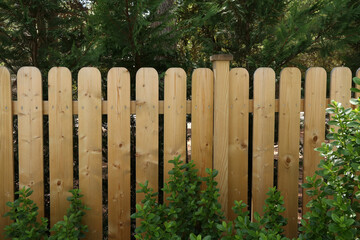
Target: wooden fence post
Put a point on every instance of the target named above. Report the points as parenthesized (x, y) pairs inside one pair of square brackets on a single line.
[(221, 69)]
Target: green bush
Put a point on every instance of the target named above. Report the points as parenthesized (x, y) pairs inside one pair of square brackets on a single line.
[(191, 212), (189, 209), (23, 212), (71, 228), (268, 226), (335, 187)]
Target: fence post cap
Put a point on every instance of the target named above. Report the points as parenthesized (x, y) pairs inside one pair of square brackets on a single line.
[(221, 57)]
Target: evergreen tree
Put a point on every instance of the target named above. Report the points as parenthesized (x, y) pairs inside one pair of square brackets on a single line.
[(269, 33), (43, 33), (135, 34)]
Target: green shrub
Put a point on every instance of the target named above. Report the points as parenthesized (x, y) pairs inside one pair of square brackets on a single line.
[(335, 186), (71, 228), (23, 212), (191, 213), (189, 209), (268, 226)]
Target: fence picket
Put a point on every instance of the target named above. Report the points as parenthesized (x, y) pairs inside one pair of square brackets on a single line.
[(174, 117), (238, 137), (60, 141), (6, 147), (147, 128), (30, 127), (202, 122), (90, 148), (119, 153), (314, 111), (289, 135), (263, 136), (340, 84)]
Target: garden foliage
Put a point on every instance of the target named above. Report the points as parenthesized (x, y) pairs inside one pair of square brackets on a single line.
[(188, 209), (23, 212), (192, 211), (335, 186)]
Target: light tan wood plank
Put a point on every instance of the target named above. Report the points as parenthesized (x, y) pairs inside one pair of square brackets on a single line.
[(60, 141), (314, 133), (90, 148), (119, 153), (289, 136), (30, 127), (147, 129), (6, 148), (263, 136), (221, 129), (340, 84), (174, 118), (238, 137), (104, 104), (202, 121)]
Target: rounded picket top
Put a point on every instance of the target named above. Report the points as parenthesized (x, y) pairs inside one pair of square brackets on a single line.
[(290, 70), (117, 70), (180, 71), (54, 70)]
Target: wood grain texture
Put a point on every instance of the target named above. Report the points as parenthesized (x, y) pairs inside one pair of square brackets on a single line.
[(221, 129), (119, 153), (238, 138), (30, 134), (147, 129), (202, 121), (340, 84), (6, 148), (90, 148), (263, 136), (314, 133), (289, 137), (104, 108), (60, 141), (174, 118)]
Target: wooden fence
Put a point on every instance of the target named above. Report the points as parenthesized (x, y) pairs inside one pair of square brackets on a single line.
[(219, 108)]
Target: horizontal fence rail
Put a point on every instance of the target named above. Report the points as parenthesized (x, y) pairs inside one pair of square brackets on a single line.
[(104, 106), (226, 128)]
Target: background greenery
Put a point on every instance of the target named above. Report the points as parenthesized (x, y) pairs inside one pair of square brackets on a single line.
[(184, 33)]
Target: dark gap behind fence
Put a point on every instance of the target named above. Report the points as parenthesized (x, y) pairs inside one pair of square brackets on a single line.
[(75, 152), (301, 167), (133, 171), (105, 176), (46, 166), (188, 138), (161, 158), (161, 143), (16, 155), (276, 149), (250, 156)]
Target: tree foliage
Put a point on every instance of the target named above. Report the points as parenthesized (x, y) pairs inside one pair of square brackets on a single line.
[(166, 33), (43, 33)]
